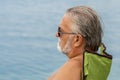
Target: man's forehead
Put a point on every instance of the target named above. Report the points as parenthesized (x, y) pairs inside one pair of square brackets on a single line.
[(66, 22)]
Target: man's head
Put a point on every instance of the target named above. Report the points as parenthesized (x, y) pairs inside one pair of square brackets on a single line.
[(79, 29)]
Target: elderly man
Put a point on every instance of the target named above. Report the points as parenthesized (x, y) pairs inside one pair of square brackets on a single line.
[(79, 30)]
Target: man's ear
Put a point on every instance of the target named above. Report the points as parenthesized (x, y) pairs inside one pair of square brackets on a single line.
[(78, 40)]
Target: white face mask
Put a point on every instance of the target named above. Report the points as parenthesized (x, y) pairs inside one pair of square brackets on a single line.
[(67, 48)]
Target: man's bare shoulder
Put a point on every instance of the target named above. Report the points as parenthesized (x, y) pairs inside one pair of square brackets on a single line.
[(71, 64), (69, 71)]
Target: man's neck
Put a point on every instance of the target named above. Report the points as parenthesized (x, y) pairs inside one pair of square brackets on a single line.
[(76, 53)]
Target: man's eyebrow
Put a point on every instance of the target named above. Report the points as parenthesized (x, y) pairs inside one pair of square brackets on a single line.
[(60, 28)]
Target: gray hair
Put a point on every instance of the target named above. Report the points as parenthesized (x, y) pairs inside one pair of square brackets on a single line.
[(87, 23)]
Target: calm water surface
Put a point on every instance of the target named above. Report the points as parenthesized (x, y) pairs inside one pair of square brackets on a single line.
[(27, 36)]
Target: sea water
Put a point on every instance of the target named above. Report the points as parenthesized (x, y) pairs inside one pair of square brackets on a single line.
[(28, 46)]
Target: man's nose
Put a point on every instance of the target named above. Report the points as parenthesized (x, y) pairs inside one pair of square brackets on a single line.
[(56, 34)]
